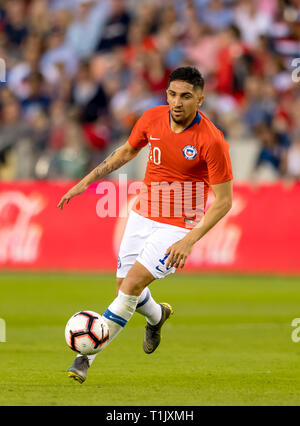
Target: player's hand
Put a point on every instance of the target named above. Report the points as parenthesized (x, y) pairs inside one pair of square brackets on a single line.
[(178, 253), (76, 190)]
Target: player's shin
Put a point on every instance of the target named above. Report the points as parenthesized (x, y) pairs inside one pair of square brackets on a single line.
[(119, 313), (116, 316), (148, 307)]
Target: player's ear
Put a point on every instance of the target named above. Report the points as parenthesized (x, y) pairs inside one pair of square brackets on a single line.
[(200, 100)]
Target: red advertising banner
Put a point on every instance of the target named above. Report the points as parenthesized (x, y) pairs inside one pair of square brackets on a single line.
[(261, 233)]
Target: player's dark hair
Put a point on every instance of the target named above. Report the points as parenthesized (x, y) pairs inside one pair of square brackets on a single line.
[(189, 74)]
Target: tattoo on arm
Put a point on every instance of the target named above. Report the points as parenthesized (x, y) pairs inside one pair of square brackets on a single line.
[(105, 167)]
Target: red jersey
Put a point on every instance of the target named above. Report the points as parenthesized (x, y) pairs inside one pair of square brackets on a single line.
[(180, 167)]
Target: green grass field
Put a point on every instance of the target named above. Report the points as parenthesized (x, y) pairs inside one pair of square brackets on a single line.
[(229, 343)]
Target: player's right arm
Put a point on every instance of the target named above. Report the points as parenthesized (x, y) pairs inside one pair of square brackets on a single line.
[(114, 161)]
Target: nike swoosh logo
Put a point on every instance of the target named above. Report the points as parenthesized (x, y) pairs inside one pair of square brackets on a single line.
[(158, 269), (154, 139)]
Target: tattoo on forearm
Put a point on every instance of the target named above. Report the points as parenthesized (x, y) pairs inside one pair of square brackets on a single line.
[(105, 168)]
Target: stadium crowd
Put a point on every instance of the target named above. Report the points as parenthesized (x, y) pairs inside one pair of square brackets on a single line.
[(79, 73)]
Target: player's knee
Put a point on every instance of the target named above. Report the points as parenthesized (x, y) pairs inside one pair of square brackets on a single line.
[(136, 280), (132, 287)]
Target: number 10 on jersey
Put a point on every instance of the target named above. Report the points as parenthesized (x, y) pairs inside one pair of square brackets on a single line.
[(155, 154)]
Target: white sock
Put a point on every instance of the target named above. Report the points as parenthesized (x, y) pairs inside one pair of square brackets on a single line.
[(145, 305), (148, 307), (119, 313), (90, 358)]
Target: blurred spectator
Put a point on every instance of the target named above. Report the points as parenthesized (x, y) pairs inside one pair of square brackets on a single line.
[(37, 98), (87, 28), (116, 28), (232, 62), (88, 95), (71, 161), (58, 54), (216, 15), (156, 74), (14, 24), (202, 48), (39, 19), (145, 15), (292, 164), (127, 105), (58, 121), (171, 48), (251, 20), (268, 163), (12, 128), (18, 75), (16, 142), (274, 148), (285, 32), (139, 43), (256, 110)]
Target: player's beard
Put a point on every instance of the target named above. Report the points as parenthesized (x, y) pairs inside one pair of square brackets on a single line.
[(179, 120)]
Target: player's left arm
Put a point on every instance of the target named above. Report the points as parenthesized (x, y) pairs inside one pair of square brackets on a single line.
[(179, 252)]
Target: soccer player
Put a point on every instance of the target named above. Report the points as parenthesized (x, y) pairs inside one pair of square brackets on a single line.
[(185, 149)]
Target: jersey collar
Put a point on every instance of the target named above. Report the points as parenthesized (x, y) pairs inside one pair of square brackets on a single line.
[(196, 120)]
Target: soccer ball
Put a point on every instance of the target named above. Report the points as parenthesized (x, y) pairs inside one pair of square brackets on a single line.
[(87, 333)]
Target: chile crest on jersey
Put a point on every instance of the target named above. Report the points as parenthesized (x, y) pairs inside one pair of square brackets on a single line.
[(189, 152)]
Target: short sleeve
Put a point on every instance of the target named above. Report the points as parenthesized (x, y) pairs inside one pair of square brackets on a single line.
[(218, 162), (138, 137)]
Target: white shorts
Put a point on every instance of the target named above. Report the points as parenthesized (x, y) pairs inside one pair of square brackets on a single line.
[(146, 242)]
